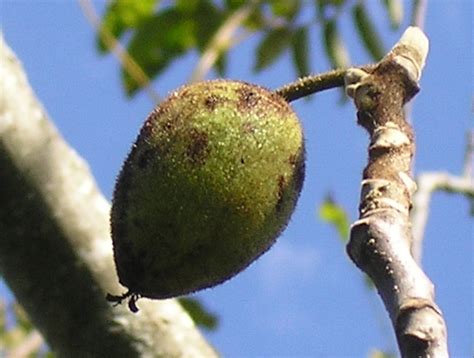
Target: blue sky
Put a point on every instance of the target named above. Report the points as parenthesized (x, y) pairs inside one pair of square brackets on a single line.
[(303, 297)]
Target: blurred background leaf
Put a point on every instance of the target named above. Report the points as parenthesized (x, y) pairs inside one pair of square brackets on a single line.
[(122, 15), (368, 33), (271, 47), (395, 12), (300, 51), (334, 45), (157, 42), (335, 215)]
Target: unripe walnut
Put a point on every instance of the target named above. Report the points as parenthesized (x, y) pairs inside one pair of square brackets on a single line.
[(208, 186)]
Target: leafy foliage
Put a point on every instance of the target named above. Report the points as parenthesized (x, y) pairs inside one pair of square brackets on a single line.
[(156, 33)]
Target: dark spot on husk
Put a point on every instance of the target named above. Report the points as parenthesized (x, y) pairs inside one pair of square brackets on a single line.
[(248, 97), (168, 125), (281, 191), (147, 129), (211, 102), (198, 148)]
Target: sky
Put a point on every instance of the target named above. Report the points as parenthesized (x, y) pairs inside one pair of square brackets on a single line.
[(304, 297)]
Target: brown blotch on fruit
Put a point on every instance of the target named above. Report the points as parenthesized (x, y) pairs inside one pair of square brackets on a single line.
[(211, 102), (247, 98), (281, 191), (198, 149)]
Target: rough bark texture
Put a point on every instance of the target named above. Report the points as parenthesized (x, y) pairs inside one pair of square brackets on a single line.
[(55, 247), (380, 241)]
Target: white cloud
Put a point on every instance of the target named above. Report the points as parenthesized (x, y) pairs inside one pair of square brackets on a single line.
[(285, 264)]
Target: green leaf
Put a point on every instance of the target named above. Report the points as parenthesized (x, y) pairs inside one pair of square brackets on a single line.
[(300, 51), (367, 32), (157, 42), (285, 8), (334, 45), (187, 5), (335, 215), (221, 64), (198, 313), (395, 12), (122, 15), (208, 19), (272, 47)]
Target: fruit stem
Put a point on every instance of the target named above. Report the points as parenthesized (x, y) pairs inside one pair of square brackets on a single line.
[(308, 85)]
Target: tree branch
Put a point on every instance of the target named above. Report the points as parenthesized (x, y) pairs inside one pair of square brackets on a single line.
[(55, 247), (380, 240), (428, 184)]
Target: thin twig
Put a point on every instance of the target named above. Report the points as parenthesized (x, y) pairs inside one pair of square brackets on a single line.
[(429, 183), (308, 85), (127, 61)]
